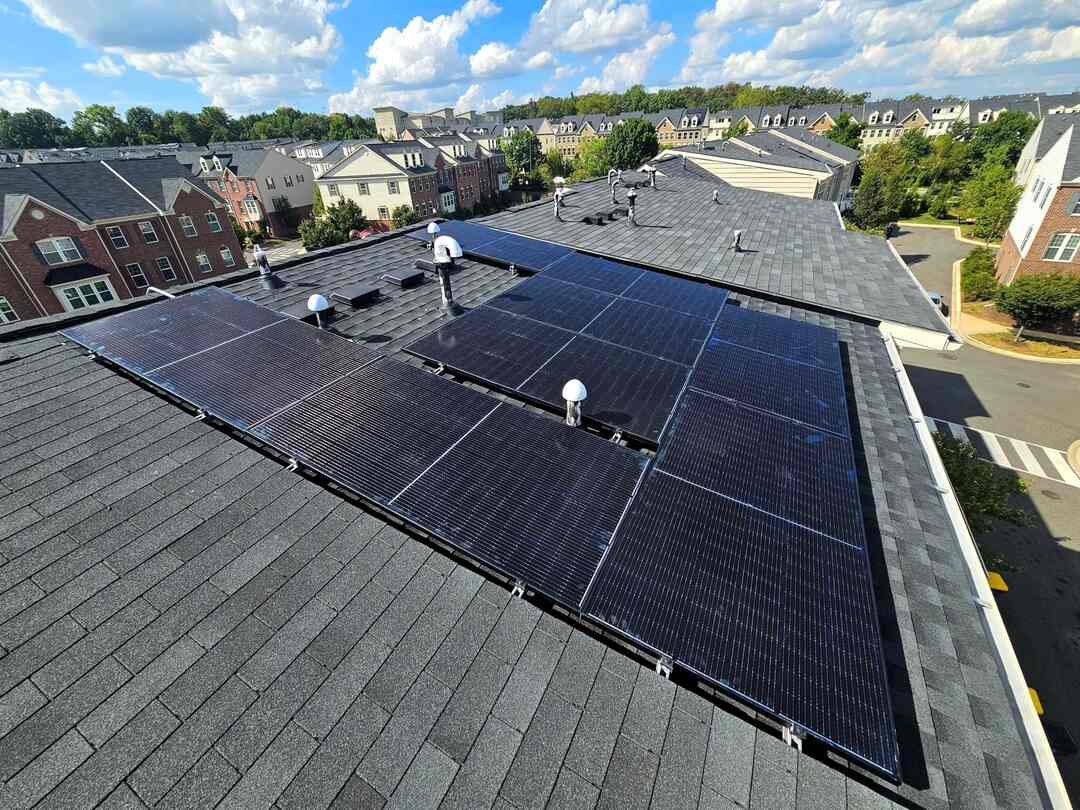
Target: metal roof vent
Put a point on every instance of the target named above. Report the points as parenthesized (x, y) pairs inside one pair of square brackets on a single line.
[(318, 304), (446, 250), (266, 276), (736, 240), (574, 393), (433, 231), (631, 198)]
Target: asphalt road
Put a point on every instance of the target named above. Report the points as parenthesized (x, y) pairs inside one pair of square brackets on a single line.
[(1036, 402)]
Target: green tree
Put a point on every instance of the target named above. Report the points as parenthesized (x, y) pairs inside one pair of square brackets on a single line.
[(989, 200), (870, 209), (523, 153), (1045, 298), (143, 125), (983, 489), (947, 161), (36, 129), (404, 215), (977, 279), (99, 125), (632, 143), (740, 127), (914, 146), (333, 227), (1005, 136), (317, 207), (845, 130), (592, 160), (555, 165)]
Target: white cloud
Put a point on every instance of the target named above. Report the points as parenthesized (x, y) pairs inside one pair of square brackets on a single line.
[(741, 12), (494, 59), (17, 95), (105, 67), (630, 67), (243, 55), (540, 60), (474, 99), (566, 71), (584, 26), (999, 16), (25, 72), (1063, 45)]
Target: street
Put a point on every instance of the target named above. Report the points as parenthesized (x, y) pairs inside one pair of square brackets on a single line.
[(1030, 402)]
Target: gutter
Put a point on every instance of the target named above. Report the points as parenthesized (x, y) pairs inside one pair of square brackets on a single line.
[(1048, 777)]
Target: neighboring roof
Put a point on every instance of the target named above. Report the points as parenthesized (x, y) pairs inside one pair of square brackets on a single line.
[(1050, 130), (218, 623), (22, 181), (793, 247), (241, 162), (782, 152), (842, 153), (158, 179), (94, 190)]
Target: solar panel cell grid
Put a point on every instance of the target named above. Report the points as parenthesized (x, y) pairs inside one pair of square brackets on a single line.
[(523, 252), (796, 340), (554, 302), (682, 295), (529, 497), (594, 272), (469, 235), (651, 329)]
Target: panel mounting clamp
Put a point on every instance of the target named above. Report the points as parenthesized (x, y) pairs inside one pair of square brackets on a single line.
[(617, 437), (518, 591), (663, 667), (792, 736), (439, 369), (200, 415), (294, 465)]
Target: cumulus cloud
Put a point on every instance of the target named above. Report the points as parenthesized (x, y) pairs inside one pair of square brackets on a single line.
[(105, 67), (629, 67), (494, 59), (586, 26), (999, 16), (17, 95), (540, 60), (474, 98)]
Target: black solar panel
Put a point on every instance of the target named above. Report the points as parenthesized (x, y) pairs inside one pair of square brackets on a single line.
[(781, 616), (491, 345), (163, 332), (628, 390), (377, 429), (530, 497), (796, 340), (528, 253), (554, 302), (469, 235), (800, 473), (785, 387), (250, 378), (682, 295), (662, 332), (594, 272)]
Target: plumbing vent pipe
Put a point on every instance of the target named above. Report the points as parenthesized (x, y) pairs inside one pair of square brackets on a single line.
[(446, 250), (318, 304), (631, 198), (736, 240), (716, 195), (574, 393)]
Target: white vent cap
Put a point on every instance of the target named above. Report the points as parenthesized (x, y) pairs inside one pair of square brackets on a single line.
[(318, 303), (433, 228), (447, 248), (574, 391)]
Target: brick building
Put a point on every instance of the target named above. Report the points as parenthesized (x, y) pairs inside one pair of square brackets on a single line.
[(76, 235), (1044, 235)]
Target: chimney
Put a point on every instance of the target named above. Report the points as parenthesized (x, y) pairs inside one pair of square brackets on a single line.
[(574, 393)]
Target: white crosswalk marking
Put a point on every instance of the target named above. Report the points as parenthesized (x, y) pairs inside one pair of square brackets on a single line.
[(992, 447)]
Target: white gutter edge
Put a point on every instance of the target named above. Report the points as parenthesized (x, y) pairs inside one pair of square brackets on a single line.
[(839, 216), (922, 289), (1024, 708)]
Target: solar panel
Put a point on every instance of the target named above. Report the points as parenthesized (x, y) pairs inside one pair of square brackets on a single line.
[(168, 330), (628, 390), (662, 332), (594, 272), (682, 295), (799, 473), (469, 235), (490, 345), (522, 251), (528, 496), (776, 614), (377, 429), (554, 302), (247, 379), (784, 337), (814, 396)]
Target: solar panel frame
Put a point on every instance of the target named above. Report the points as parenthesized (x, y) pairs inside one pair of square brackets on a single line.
[(551, 301), (796, 340), (521, 251), (469, 235), (651, 329), (762, 612), (552, 496), (682, 295), (594, 272)]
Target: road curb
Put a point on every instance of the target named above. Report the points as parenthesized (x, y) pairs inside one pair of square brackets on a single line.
[(958, 235), (1072, 455)]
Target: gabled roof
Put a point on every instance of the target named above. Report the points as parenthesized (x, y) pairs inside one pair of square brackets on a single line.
[(96, 191), (21, 182), (158, 179), (1050, 131), (837, 150)]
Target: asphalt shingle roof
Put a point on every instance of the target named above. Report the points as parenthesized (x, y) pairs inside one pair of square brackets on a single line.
[(184, 621), (792, 247), (95, 190), (21, 181)]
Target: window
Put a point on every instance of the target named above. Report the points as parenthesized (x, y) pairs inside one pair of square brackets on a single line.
[(270, 182), (7, 311), (802, 120), (1027, 236), (251, 207), (138, 277), (86, 294), (361, 188), (149, 235), (235, 187), (288, 181), (384, 213), (333, 189), (187, 226), (392, 187), (1046, 195), (164, 266), (204, 262), (1062, 247), (765, 121), (116, 236), (1075, 207), (887, 119), (213, 222), (250, 185), (227, 257), (300, 177), (59, 250)]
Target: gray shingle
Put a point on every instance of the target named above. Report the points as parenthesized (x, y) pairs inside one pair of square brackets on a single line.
[(358, 795), (630, 777), (45, 772), (536, 766), (650, 708), (678, 780), (426, 782), (729, 762), (484, 769), (470, 705), (273, 770), (598, 731), (18, 704), (203, 786)]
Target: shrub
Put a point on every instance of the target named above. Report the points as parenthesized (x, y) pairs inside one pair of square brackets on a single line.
[(632, 143), (977, 279), (404, 215), (334, 227), (1040, 299), (982, 489)]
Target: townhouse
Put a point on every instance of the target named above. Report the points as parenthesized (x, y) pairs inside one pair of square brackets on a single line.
[(320, 156), (1044, 234), (77, 235), (391, 122)]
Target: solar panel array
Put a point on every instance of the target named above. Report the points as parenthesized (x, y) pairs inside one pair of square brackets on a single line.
[(739, 552)]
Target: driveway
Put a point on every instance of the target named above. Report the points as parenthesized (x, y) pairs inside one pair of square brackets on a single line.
[(930, 253), (279, 253)]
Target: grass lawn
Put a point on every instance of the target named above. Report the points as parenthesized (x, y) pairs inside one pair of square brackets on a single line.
[(1035, 348), (926, 219)]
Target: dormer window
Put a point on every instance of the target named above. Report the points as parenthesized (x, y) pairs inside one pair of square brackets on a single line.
[(984, 116), (802, 120), (204, 165), (685, 122), (888, 117), (217, 163), (694, 121), (765, 121), (873, 118)]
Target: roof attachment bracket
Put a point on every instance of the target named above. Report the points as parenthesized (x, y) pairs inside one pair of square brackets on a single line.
[(200, 415), (617, 437), (663, 667), (513, 269), (793, 737), (518, 591), (439, 369), (294, 465)]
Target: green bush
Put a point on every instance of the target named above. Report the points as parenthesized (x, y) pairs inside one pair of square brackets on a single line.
[(977, 279), (1046, 298), (333, 228), (982, 489)]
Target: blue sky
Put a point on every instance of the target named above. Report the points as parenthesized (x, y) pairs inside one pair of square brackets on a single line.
[(329, 55)]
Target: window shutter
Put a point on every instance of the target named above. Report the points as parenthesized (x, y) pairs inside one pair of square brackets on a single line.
[(1073, 200)]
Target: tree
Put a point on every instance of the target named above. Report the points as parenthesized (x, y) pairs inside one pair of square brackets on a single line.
[(740, 127), (333, 227), (99, 125), (36, 129), (632, 143), (1044, 298), (404, 215), (317, 207), (845, 130), (989, 200), (558, 165), (1007, 134), (977, 279), (982, 488), (947, 161), (523, 153), (870, 210), (143, 125), (914, 146), (592, 160)]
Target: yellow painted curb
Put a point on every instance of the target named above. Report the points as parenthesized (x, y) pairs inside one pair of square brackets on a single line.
[(956, 300), (1036, 701), (958, 234), (1073, 455), (1058, 361), (997, 582)]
